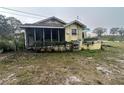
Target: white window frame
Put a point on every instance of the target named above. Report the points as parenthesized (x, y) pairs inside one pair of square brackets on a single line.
[(74, 33)]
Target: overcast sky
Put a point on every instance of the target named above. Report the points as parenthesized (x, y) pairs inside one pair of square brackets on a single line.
[(92, 17)]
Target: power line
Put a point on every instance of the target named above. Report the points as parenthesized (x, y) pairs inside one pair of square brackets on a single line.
[(18, 14), (31, 14), (23, 12)]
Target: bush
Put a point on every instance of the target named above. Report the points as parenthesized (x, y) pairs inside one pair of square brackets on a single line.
[(91, 39), (111, 39), (3, 45), (19, 41), (10, 43), (6, 45), (20, 45)]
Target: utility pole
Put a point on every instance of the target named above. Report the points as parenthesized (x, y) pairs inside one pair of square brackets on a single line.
[(77, 17)]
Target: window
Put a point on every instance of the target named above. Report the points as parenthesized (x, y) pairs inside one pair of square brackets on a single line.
[(74, 31)]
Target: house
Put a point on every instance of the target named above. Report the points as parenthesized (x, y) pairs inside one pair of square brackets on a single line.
[(53, 29)]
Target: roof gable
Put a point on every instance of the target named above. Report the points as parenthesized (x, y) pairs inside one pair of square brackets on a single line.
[(77, 22), (52, 21)]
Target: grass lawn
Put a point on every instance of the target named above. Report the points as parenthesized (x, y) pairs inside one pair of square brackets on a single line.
[(83, 67)]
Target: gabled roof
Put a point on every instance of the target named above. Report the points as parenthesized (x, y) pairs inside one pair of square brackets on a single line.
[(49, 22), (52, 22), (77, 22), (53, 17)]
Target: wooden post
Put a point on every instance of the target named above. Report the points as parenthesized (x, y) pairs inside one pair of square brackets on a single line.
[(58, 39), (26, 39), (43, 37), (58, 35), (51, 35), (35, 37)]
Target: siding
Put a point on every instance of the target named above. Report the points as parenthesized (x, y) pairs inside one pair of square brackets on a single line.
[(68, 32)]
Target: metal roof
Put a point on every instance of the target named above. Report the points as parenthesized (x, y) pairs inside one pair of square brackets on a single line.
[(51, 22)]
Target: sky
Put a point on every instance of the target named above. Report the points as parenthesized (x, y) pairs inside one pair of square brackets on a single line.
[(93, 17)]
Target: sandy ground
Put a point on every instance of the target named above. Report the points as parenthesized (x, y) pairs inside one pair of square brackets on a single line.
[(85, 67)]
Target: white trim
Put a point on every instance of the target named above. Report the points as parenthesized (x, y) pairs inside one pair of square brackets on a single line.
[(39, 27)]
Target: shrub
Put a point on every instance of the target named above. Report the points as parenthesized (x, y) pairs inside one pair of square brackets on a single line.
[(111, 39), (10, 43), (3, 45), (90, 39), (19, 42), (6, 45)]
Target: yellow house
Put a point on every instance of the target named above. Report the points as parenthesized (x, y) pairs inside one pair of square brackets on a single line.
[(53, 30), (74, 31)]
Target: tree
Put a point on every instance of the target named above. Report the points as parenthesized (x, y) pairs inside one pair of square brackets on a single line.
[(14, 24), (114, 30), (121, 31), (9, 25), (3, 26), (99, 31)]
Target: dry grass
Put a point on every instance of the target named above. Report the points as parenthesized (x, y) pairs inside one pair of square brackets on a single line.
[(64, 68)]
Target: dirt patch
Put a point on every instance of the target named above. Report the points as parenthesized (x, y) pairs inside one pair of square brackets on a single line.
[(121, 61), (72, 80), (5, 56), (104, 70), (9, 79)]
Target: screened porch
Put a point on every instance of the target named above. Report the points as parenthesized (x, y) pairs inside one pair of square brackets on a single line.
[(43, 35)]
